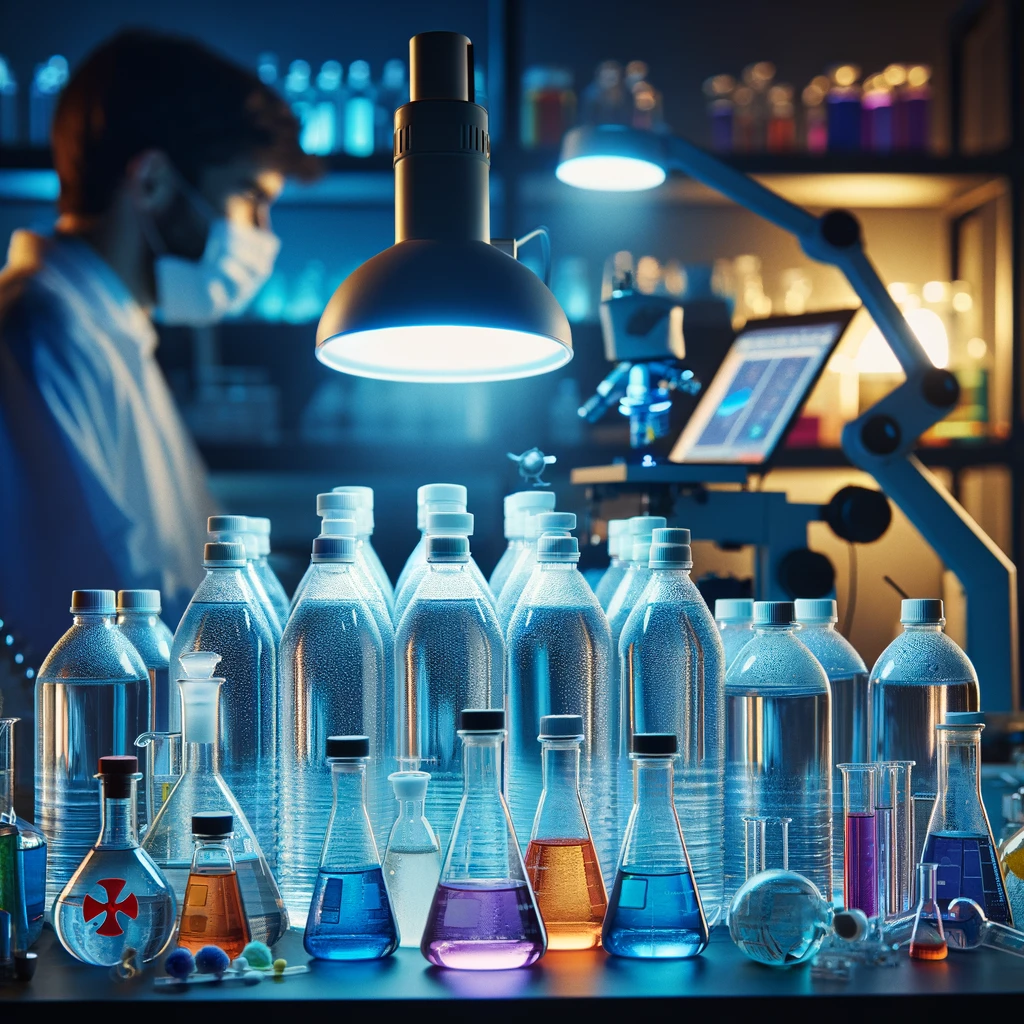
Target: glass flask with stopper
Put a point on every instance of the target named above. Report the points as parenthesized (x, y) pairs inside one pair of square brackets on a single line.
[(350, 916), (118, 898), (412, 861), (561, 862), (201, 787), (959, 840), (655, 908), (213, 911), (777, 917), (483, 916), (928, 940), (31, 847)]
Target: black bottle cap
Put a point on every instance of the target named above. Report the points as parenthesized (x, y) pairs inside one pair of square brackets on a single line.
[(117, 770), (212, 824), (482, 719), (348, 746), (655, 743)]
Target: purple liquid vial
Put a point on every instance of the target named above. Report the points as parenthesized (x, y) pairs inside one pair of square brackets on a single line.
[(860, 878), (483, 926)]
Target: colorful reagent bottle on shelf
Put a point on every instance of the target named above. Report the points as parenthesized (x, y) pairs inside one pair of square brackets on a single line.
[(118, 897), (412, 861), (484, 916), (350, 916), (561, 862), (655, 908), (213, 913), (959, 839)]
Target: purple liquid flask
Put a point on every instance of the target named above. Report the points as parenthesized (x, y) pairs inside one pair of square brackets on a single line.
[(861, 847), (484, 916)]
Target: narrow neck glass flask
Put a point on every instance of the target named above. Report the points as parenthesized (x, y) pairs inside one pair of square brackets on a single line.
[(655, 908), (483, 916), (561, 861), (412, 861), (213, 911), (928, 940), (777, 917), (118, 898), (350, 916), (31, 849), (202, 788), (959, 839)]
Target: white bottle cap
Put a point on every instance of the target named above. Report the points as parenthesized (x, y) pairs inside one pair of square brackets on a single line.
[(146, 602), (922, 611), (670, 548), (773, 613), (550, 522), (92, 602), (409, 785), (334, 549), (234, 528), (457, 523), (537, 501), (556, 547), (644, 526), (364, 495), (815, 610), (616, 530), (260, 525), (734, 609), (339, 527), (221, 553)]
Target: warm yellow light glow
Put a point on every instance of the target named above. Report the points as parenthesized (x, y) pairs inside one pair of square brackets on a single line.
[(976, 348), (846, 74), (918, 75), (962, 302), (895, 75), (934, 291), (899, 291), (648, 274), (875, 356)]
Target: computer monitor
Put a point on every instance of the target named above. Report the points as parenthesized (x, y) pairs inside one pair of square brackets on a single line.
[(758, 391)]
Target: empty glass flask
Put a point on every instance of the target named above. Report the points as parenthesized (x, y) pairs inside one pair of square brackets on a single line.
[(118, 898)]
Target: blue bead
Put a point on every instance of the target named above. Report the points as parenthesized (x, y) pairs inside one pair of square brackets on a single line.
[(212, 960), (180, 963)]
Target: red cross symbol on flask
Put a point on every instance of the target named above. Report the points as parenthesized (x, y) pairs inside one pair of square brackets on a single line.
[(129, 906)]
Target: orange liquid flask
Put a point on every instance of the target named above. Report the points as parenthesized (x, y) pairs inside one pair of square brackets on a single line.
[(212, 912), (928, 941), (560, 860)]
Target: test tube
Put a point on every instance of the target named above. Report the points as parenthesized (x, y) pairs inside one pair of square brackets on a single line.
[(860, 856), (767, 840), (901, 838)]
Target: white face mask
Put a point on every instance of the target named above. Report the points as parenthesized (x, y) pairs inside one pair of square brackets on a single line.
[(235, 264)]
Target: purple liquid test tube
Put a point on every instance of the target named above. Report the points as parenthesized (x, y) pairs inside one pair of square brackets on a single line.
[(860, 868)]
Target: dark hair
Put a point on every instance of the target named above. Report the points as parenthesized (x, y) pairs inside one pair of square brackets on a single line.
[(144, 90)]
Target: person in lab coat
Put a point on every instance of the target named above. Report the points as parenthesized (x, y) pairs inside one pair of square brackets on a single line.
[(169, 157)]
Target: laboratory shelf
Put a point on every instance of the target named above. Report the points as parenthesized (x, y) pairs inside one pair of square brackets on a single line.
[(560, 984)]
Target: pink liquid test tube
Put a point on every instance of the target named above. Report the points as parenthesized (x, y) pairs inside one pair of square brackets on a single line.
[(860, 867)]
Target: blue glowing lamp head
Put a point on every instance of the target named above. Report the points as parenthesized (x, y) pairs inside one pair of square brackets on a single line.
[(443, 304), (611, 158)]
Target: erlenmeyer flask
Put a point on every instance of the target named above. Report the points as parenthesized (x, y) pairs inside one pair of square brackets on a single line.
[(959, 840), (201, 788), (655, 908), (560, 860), (484, 916), (928, 941)]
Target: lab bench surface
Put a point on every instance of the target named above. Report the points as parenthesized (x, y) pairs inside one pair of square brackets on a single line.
[(560, 984)]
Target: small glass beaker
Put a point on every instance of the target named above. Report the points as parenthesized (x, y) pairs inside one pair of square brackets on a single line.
[(163, 767), (860, 845), (928, 941)]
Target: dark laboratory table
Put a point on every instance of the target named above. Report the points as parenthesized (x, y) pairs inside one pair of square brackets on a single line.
[(718, 984)]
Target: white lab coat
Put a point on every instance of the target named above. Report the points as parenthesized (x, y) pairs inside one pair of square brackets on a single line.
[(100, 483)]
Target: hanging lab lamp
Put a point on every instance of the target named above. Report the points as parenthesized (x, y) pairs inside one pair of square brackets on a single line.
[(443, 304)]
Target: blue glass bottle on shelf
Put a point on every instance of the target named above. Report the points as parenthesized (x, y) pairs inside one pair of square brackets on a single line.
[(350, 916), (655, 909), (959, 839), (93, 674), (30, 843), (118, 898)]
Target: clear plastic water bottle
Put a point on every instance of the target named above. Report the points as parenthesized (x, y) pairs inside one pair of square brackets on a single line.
[(224, 616), (848, 681), (735, 618), (517, 507), (332, 684), (260, 525), (92, 699), (918, 679), (235, 529), (559, 655), (455, 524), (635, 578), (449, 654), (778, 747), (673, 681), (364, 532), (555, 523), (617, 565), (138, 617)]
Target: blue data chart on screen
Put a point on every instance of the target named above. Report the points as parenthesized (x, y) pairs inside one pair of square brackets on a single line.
[(760, 386)]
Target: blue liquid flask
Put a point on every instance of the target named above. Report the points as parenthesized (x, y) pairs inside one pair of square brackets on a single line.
[(30, 849), (118, 898), (350, 916), (655, 908), (959, 840)]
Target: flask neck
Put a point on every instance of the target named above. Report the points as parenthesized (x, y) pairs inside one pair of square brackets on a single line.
[(560, 760), (118, 827), (200, 718), (561, 815), (652, 782), (959, 779), (212, 856), (481, 761), (7, 769), (349, 844), (348, 779)]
